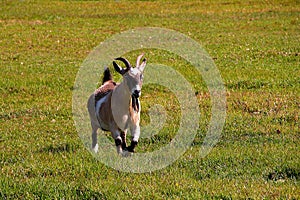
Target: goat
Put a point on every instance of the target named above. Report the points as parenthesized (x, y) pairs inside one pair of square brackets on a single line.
[(115, 107)]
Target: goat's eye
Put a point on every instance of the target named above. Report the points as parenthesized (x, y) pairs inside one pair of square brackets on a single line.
[(142, 77)]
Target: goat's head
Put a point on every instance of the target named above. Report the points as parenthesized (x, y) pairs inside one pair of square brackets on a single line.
[(133, 77)]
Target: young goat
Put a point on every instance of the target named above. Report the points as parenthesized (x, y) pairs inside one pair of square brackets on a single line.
[(116, 107)]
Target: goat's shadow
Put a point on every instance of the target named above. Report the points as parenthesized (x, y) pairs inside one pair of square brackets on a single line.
[(59, 148)]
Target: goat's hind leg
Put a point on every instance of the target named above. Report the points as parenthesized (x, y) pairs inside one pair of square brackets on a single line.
[(94, 122), (94, 137)]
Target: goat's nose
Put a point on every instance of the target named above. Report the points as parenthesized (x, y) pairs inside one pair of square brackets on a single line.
[(136, 93)]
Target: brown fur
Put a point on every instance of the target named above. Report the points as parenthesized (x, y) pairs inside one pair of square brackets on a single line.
[(102, 91), (134, 113)]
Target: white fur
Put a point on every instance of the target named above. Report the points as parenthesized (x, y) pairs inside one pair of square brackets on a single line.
[(95, 149), (98, 105)]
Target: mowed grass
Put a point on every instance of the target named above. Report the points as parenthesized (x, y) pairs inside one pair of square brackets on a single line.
[(255, 46)]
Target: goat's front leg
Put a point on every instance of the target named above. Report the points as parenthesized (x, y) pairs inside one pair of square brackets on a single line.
[(123, 137), (135, 134)]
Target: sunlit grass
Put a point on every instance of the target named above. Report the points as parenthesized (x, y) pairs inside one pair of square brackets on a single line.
[(255, 45)]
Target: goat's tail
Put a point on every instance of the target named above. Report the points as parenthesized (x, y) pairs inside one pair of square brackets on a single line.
[(106, 75)]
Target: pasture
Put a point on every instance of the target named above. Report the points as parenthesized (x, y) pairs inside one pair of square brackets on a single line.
[(255, 46)]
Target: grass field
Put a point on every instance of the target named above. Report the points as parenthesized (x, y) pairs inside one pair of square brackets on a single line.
[(255, 45)]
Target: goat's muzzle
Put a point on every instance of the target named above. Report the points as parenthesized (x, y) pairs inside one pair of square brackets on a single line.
[(136, 93)]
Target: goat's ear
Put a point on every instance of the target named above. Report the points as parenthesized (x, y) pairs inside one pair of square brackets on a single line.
[(118, 68), (143, 65)]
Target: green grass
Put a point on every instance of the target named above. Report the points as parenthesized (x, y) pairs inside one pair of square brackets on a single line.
[(255, 45)]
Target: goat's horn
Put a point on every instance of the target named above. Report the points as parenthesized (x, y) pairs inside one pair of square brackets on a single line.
[(139, 59), (125, 61)]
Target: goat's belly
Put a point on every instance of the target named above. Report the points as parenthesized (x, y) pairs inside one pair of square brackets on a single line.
[(102, 123)]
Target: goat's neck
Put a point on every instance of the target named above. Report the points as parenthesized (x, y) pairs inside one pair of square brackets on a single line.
[(120, 102), (122, 97)]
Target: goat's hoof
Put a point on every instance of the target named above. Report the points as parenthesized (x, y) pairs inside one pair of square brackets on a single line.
[(95, 148), (130, 149)]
